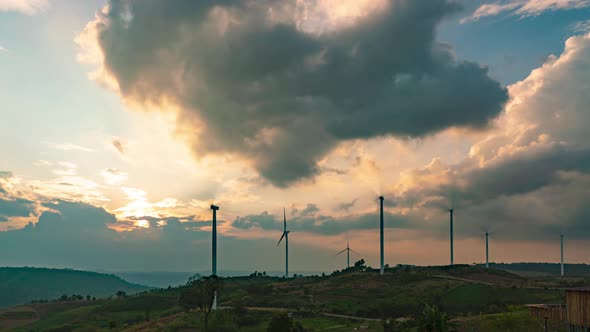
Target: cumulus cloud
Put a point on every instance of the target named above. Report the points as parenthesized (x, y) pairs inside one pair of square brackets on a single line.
[(525, 7), (531, 171), (28, 7), (280, 83)]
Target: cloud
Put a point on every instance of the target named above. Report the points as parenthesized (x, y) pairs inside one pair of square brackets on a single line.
[(16, 207), (79, 235), (69, 147), (5, 174), (2, 49), (117, 144), (346, 206), (322, 224), (525, 7), (113, 176), (281, 91), (582, 26), (28, 7), (530, 173)]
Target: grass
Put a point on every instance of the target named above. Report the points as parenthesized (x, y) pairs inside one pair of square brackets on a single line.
[(401, 292)]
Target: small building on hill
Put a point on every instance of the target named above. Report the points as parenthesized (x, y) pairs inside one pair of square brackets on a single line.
[(575, 313)]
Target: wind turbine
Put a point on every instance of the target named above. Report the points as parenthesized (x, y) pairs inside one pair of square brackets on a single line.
[(382, 271), (562, 267), (451, 236), (214, 250), (348, 250), (487, 251), (286, 236)]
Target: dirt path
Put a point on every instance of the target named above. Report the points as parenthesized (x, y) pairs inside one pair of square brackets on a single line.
[(353, 317)]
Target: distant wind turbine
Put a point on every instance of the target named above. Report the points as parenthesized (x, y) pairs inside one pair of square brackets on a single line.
[(451, 236), (286, 236), (348, 250), (487, 251), (562, 267)]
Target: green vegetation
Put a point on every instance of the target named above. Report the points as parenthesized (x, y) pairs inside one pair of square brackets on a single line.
[(24, 285), (410, 298)]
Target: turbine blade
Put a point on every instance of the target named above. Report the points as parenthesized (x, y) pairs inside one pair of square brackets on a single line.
[(284, 220), (341, 252), (282, 236), (355, 252)]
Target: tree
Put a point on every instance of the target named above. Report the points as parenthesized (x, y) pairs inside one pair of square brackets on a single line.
[(121, 294), (360, 265), (281, 323), (432, 319), (200, 293)]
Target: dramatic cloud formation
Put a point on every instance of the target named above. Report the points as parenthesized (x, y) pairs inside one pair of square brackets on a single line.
[(313, 222), (28, 7), (15, 208), (525, 7), (265, 82), (532, 171)]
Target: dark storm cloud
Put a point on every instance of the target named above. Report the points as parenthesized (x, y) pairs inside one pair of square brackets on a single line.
[(77, 234), (322, 224), (346, 206), (17, 207), (283, 97), (522, 174)]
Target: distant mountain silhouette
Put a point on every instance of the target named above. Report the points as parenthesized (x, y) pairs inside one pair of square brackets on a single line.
[(20, 285), (543, 269)]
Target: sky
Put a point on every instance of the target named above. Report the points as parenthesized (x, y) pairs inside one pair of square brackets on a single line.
[(122, 121)]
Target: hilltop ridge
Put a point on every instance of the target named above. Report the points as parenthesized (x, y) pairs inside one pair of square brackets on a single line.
[(20, 285)]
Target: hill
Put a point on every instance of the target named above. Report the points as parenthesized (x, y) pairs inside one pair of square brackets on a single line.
[(346, 299), (543, 269), (19, 285)]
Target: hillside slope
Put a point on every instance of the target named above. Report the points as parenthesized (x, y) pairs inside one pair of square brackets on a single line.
[(543, 269), (20, 285), (250, 302)]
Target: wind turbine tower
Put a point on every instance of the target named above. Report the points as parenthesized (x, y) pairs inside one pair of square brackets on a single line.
[(487, 252), (214, 251), (562, 267), (451, 233), (348, 250), (214, 241), (381, 234), (286, 236)]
